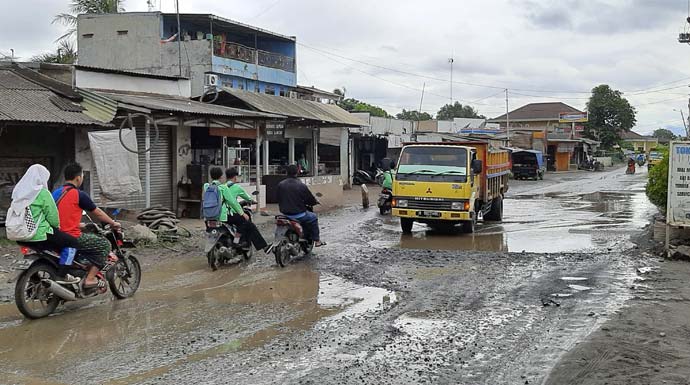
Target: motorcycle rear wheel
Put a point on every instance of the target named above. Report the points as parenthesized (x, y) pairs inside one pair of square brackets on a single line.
[(282, 255), (213, 261), (29, 292), (124, 284)]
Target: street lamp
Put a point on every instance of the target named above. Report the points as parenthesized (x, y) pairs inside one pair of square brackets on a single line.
[(687, 134)]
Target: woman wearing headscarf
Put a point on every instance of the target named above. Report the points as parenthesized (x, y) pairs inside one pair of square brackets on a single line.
[(32, 191)]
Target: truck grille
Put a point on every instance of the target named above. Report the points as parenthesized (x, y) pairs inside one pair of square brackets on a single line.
[(428, 205)]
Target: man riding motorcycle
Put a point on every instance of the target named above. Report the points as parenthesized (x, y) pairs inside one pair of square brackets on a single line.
[(71, 202), (294, 200), (236, 215)]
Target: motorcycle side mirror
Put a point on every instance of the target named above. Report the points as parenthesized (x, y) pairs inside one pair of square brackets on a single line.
[(255, 193)]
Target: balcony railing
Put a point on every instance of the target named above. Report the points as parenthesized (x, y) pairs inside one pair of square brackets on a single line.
[(248, 55), (274, 60), (235, 51)]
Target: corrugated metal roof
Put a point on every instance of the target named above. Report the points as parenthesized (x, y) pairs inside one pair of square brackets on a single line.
[(25, 101), (296, 108), (174, 104), (98, 107)]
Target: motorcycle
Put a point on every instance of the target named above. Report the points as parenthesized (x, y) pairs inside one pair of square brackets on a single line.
[(43, 283), (366, 177), (591, 165), (291, 240), (384, 202), (223, 241), (630, 170)]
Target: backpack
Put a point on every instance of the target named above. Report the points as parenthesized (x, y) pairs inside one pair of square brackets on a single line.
[(212, 203), (20, 225)]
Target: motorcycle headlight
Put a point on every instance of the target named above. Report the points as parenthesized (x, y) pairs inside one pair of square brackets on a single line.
[(402, 203)]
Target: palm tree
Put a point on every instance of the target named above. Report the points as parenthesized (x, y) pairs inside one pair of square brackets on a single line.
[(65, 54), (85, 6)]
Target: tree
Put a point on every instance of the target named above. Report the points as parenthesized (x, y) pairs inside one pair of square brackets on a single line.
[(354, 105), (65, 54), (457, 110), (413, 115), (657, 185), (78, 7), (610, 114), (664, 134)]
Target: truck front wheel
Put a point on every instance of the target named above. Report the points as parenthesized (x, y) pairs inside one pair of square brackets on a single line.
[(406, 225)]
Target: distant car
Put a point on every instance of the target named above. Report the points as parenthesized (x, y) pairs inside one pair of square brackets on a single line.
[(655, 157)]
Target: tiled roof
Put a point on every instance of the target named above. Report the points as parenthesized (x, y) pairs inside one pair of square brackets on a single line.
[(537, 111)]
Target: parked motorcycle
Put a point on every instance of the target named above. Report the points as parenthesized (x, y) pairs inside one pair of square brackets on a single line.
[(384, 202), (591, 165), (44, 283), (366, 177), (223, 242)]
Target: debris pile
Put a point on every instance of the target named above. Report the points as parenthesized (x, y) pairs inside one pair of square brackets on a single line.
[(161, 221)]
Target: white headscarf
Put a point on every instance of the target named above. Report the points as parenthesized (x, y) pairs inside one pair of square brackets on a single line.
[(27, 189)]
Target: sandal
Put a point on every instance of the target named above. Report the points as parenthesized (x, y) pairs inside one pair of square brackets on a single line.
[(319, 244), (99, 285)]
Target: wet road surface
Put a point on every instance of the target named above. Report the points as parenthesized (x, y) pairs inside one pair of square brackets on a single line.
[(371, 307)]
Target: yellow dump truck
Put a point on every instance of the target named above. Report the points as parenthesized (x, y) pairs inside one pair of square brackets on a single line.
[(450, 183)]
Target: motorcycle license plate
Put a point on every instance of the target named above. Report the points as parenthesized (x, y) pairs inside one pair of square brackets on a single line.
[(428, 214), (280, 231)]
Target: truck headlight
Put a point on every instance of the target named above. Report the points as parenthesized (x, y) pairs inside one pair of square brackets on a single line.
[(462, 205), (402, 203)]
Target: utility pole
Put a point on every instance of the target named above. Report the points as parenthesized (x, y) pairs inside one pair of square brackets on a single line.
[(507, 118), (451, 79), (419, 113), (179, 37)]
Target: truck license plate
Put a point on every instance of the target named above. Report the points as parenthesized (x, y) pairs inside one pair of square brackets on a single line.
[(430, 214)]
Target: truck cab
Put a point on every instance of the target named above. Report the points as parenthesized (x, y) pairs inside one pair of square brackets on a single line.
[(447, 184)]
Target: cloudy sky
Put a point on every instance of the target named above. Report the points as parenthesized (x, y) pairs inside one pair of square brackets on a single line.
[(385, 51)]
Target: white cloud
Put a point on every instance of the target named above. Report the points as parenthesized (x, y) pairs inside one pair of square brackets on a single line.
[(564, 45)]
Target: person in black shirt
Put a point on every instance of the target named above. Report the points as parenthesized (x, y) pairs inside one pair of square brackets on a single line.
[(296, 201)]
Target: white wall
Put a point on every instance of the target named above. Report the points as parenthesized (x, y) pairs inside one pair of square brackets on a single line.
[(120, 82)]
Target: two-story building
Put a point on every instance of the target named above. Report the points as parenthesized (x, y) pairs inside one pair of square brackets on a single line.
[(214, 50), (537, 126)]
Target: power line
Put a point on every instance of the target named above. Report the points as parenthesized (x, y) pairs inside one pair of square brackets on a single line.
[(265, 10), (641, 91)]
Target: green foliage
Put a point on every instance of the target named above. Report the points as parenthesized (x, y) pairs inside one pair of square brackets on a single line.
[(657, 185), (413, 115), (610, 114), (457, 110), (65, 54), (354, 105), (78, 7), (664, 134)]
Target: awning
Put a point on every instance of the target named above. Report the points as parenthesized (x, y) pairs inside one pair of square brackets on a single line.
[(296, 108), (104, 105)]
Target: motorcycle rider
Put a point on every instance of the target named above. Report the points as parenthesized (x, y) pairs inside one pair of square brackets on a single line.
[(71, 201), (237, 216), (387, 183), (294, 198)]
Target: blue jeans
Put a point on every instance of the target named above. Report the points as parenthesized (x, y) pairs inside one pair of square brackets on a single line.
[(310, 223)]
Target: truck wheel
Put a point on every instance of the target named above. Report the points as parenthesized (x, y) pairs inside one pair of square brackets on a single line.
[(406, 225), (467, 227), (496, 211)]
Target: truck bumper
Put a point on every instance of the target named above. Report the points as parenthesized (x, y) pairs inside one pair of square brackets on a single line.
[(445, 215)]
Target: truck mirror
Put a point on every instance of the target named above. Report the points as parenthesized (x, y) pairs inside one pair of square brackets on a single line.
[(477, 166)]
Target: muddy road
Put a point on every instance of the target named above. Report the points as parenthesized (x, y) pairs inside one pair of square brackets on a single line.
[(503, 306)]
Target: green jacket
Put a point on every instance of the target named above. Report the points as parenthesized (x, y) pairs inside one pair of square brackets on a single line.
[(45, 212), (226, 199), (237, 191), (387, 180)]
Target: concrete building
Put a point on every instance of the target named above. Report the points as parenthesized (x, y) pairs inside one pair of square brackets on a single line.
[(215, 50), (640, 143)]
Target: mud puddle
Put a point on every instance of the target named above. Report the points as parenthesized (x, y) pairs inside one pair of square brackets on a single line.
[(546, 223), (182, 313)]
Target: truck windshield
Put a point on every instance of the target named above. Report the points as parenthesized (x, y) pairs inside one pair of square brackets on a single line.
[(433, 160)]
